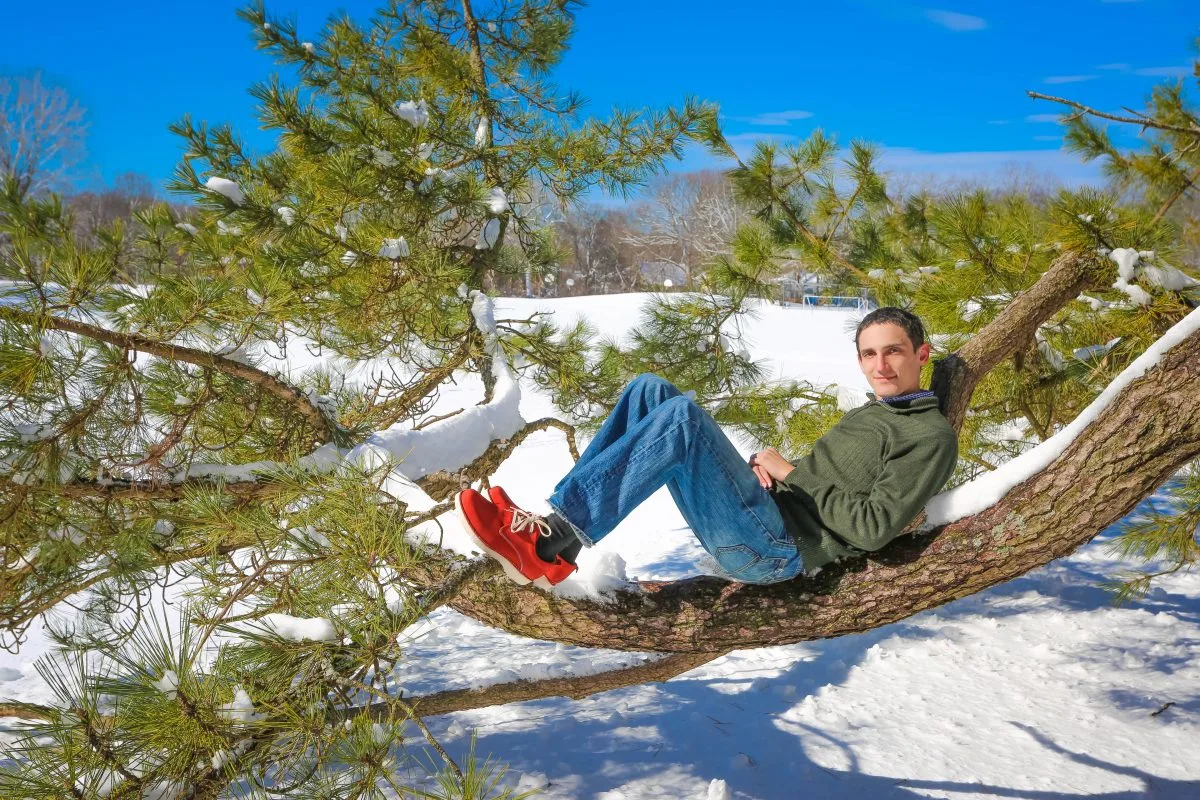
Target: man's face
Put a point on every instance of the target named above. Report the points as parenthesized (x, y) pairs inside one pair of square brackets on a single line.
[(887, 357)]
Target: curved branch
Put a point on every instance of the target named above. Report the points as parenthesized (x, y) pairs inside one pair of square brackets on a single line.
[(1145, 122), (396, 408), (955, 377), (327, 428), (440, 485)]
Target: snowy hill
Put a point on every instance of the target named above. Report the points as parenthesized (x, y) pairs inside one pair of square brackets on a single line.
[(1034, 689)]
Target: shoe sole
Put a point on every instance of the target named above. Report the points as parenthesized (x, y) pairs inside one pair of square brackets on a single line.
[(510, 571)]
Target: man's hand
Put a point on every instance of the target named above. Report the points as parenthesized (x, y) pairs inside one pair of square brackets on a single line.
[(769, 466)]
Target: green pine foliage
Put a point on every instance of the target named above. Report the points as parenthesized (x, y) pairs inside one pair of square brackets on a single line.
[(1164, 538), (150, 448)]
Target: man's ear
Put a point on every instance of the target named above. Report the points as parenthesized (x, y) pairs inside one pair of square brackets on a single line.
[(923, 353)]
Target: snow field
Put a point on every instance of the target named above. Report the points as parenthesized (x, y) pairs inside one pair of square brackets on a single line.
[(1033, 689)]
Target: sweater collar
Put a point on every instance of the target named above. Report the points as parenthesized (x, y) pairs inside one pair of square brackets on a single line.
[(913, 401)]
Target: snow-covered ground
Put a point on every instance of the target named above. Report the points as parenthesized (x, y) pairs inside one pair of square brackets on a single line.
[(1034, 689)]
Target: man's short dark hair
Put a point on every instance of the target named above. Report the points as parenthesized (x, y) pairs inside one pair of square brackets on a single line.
[(907, 320)]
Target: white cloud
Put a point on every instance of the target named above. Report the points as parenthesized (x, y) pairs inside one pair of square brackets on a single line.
[(1043, 118), (1069, 78), (908, 165), (776, 117), (1164, 72), (985, 166), (1120, 66), (743, 143), (955, 21)]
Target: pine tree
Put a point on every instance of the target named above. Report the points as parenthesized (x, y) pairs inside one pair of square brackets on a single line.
[(149, 438), (146, 436)]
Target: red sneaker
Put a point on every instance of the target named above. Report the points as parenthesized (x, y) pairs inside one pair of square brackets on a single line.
[(482, 521), (501, 500), (524, 524), (509, 534)]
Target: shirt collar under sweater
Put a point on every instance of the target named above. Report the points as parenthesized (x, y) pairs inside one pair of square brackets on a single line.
[(905, 397)]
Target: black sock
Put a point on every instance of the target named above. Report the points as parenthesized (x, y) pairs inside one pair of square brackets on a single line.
[(562, 541)]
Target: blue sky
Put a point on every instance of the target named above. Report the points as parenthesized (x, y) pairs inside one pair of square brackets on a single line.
[(941, 87)]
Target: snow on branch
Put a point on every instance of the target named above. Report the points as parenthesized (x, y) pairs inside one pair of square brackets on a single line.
[(226, 187), (990, 488), (447, 445)]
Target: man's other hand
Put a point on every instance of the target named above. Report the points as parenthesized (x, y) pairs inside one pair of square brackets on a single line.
[(769, 466)]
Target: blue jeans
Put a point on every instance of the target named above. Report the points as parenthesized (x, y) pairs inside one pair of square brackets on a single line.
[(656, 436)]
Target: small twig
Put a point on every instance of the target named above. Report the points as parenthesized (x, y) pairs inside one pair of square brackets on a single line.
[(429, 737), (1164, 708), (431, 514), (1170, 201), (1145, 122), (439, 418)]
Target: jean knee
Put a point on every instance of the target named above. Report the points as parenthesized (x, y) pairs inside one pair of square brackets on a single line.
[(649, 383)]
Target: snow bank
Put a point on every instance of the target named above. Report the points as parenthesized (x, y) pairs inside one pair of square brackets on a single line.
[(718, 790), (240, 709), (497, 201), (597, 578), (987, 490), (394, 248), (1130, 266)]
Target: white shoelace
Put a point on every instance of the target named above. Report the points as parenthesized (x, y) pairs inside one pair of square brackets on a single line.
[(526, 521)]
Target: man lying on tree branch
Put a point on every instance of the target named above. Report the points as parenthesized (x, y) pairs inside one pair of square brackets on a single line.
[(765, 521)]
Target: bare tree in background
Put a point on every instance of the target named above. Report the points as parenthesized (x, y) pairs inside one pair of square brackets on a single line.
[(100, 207), (42, 133), (592, 237), (687, 220)]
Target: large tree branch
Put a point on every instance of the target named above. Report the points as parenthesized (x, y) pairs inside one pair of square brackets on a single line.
[(327, 429), (1144, 436), (575, 687)]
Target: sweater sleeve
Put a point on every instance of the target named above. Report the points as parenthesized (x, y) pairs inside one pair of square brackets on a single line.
[(908, 478)]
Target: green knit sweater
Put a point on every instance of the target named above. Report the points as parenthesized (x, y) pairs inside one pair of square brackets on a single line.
[(867, 478)]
